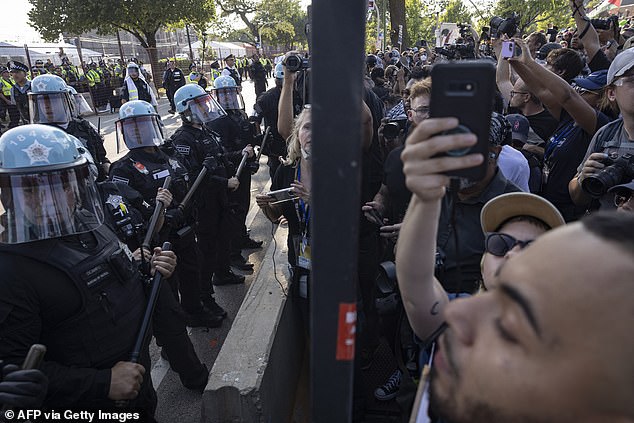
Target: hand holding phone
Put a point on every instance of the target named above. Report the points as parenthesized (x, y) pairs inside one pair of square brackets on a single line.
[(510, 49), (464, 90)]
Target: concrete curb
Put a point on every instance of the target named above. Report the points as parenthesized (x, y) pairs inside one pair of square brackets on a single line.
[(255, 375)]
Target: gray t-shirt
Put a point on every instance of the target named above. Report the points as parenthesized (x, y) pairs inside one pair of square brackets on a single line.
[(610, 139)]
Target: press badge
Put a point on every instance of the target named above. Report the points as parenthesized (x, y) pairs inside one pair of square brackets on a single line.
[(304, 259)]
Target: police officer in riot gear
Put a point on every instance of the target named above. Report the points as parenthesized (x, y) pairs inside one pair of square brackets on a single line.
[(67, 281), (51, 103), (127, 214), (236, 133), (145, 168), (216, 220)]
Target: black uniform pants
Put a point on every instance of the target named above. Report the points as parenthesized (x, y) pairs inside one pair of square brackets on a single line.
[(241, 201), (171, 334), (215, 232), (14, 115), (186, 278)]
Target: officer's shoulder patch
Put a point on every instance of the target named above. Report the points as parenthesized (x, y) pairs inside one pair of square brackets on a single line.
[(120, 179)]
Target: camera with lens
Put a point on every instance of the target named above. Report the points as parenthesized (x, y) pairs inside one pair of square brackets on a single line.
[(618, 170), (388, 297), (296, 62), (603, 24), (393, 128), (457, 51), (501, 26)]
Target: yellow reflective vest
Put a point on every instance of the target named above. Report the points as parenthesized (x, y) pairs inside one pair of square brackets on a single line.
[(6, 87)]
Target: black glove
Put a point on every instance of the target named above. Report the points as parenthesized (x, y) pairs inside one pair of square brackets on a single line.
[(175, 217), (23, 388), (211, 164)]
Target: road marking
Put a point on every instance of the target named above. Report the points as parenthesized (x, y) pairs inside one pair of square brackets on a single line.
[(159, 370)]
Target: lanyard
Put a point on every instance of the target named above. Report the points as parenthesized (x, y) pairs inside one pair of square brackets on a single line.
[(303, 209), (557, 140)]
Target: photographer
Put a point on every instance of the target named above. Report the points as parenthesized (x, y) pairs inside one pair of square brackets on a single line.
[(615, 139), (578, 121)]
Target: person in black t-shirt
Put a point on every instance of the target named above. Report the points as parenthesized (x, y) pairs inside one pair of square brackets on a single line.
[(578, 121)]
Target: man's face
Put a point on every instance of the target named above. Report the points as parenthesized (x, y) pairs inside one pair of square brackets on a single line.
[(6, 75), (623, 93), (550, 344), (419, 110), (172, 65), (18, 76), (231, 61), (519, 95)]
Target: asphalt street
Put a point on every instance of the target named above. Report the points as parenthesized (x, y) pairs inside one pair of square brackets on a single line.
[(175, 402)]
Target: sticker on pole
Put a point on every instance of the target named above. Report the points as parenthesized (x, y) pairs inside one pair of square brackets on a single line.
[(346, 331)]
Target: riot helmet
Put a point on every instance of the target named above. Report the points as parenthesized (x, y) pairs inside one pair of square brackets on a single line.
[(139, 125), (49, 100), (196, 106), (227, 93), (79, 105), (46, 189)]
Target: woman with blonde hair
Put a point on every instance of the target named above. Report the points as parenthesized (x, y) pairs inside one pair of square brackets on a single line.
[(295, 175)]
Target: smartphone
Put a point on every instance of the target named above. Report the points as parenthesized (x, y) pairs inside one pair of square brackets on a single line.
[(510, 49), (281, 195), (465, 90)]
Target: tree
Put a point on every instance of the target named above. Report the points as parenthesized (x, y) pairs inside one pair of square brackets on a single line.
[(456, 12), (141, 18), (397, 17), (534, 12), (243, 9)]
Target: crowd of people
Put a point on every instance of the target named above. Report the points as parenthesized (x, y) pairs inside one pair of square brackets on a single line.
[(522, 308)]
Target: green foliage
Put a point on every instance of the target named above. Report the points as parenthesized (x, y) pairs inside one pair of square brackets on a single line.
[(456, 12), (142, 18), (535, 14)]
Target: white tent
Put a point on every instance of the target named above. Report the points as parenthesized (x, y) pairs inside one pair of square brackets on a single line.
[(221, 49)]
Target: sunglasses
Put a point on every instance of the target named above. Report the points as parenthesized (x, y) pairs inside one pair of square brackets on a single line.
[(622, 198), (582, 91), (499, 244)]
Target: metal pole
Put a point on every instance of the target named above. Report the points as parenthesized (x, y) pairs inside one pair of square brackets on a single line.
[(28, 59), (385, 26), (120, 48), (189, 41), (336, 181), (378, 24)]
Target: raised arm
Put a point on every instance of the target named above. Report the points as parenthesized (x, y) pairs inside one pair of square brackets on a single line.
[(285, 116), (553, 91), (587, 34), (423, 296)]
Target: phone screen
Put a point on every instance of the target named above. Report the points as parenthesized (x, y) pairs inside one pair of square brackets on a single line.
[(508, 48)]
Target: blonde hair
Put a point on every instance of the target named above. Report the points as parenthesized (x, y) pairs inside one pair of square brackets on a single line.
[(293, 146)]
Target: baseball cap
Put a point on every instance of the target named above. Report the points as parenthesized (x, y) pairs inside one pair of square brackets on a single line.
[(594, 81), (621, 64), (543, 51), (506, 206), (629, 185), (519, 127)]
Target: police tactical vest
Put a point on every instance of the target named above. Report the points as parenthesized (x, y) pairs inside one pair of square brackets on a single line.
[(113, 299)]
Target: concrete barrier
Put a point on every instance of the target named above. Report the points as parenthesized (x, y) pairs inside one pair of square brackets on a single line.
[(254, 377)]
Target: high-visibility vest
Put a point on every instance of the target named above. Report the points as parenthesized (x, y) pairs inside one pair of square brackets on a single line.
[(215, 73), (6, 87), (93, 77), (133, 94), (190, 78)]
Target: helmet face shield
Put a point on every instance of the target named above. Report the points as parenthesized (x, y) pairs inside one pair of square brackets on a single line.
[(38, 206), (50, 108), (204, 109), (140, 131), (229, 98)]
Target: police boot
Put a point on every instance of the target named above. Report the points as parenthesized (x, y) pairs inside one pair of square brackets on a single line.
[(239, 262), (227, 278), (203, 319), (210, 304)]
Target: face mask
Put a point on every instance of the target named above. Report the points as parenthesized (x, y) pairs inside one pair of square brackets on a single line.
[(423, 57)]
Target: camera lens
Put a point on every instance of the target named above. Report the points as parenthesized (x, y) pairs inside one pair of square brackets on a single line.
[(599, 184), (391, 130)]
